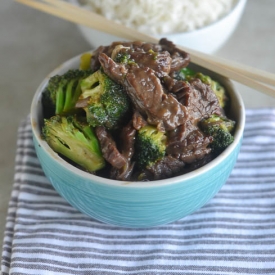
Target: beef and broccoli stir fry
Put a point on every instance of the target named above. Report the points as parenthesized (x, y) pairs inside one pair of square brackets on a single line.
[(135, 111)]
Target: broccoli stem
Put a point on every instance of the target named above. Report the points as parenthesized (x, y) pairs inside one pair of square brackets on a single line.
[(60, 96)]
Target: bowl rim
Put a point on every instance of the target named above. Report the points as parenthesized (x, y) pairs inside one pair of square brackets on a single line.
[(34, 117)]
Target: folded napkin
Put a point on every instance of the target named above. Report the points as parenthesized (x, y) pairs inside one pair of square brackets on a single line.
[(233, 234)]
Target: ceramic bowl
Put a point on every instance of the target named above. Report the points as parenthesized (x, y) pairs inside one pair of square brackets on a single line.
[(136, 204), (207, 39)]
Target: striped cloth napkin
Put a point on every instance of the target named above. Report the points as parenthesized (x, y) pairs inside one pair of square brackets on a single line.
[(233, 234)]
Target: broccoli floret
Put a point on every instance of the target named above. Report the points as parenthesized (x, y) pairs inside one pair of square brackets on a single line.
[(220, 93), (220, 128), (215, 86), (124, 58), (75, 140), (150, 146), (107, 102), (49, 96), (184, 74), (121, 54), (63, 91)]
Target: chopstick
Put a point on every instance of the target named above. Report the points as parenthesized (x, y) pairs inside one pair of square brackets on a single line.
[(257, 79), (102, 24)]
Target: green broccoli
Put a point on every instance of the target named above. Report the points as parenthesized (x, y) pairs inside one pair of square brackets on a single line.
[(184, 74), (121, 54), (150, 146), (221, 129), (75, 140), (124, 58), (63, 91), (107, 102)]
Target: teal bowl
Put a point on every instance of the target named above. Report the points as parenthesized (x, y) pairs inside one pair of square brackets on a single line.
[(136, 204)]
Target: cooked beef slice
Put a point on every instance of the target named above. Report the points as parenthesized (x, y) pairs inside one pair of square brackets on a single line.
[(146, 93), (180, 58), (167, 167), (109, 148), (188, 143), (199, 99)]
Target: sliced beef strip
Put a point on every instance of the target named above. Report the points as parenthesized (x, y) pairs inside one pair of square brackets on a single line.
[(163, 64), (180, 58), (146, 93), (178, 87), (198, 97), (128, 136), (165, 168), (136, 46), (127, 148), (194, 147), (114, 70), (188, 143), (160, 62), (164, 58), (109, 148), (144, 89), (138, 120), (200, 100)]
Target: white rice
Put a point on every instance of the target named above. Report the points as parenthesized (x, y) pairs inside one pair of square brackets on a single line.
[(159, 17)]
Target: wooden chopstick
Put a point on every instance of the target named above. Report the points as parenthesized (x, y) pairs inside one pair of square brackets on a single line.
[(249, 71), (251, 77), (255, 74), (236, 76)]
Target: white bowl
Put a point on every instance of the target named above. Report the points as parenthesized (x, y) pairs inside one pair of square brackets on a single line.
[(207, 39)]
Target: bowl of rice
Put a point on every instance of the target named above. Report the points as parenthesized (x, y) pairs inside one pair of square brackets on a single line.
[(196, 24)]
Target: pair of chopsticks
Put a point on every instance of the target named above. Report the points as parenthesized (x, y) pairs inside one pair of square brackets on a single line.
[(254, 78)]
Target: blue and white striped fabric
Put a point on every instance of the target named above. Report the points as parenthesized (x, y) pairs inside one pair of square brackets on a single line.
[(233, 234)]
